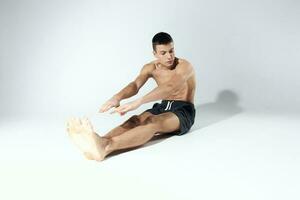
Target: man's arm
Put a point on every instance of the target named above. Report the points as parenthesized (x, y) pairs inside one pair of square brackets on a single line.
[(133, 87), (128, 91), (183, 72)]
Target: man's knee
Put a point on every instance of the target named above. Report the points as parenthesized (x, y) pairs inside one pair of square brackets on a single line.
[(154, 120), (132, 122), (163, 122)]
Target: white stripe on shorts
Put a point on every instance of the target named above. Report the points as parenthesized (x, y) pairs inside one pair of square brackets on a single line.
[(168, 107)]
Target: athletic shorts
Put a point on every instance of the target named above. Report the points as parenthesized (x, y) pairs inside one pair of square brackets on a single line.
[(184, 110)]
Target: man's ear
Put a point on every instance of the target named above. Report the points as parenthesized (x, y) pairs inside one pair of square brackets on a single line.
[(154, 54)]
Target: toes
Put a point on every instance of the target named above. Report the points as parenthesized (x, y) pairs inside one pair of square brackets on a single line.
[(71, 122), (90, 125), (78, 121), (87, 124), (68, 122), (77, 125), (68, 126), (73, 125)]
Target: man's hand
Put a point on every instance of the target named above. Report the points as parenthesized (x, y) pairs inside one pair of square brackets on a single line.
[(112, 102), (123, 109)]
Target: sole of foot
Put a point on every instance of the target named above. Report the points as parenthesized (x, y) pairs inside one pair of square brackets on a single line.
[(83, 136)]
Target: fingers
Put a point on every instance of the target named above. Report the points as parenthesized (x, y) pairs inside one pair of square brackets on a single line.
[(119, 110), (114, 111), (105, 107), (108, 105)]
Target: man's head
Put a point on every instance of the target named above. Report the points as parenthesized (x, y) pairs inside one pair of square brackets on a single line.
[(163, 48)]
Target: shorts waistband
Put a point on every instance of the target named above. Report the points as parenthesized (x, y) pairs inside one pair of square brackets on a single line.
[(166, 100)]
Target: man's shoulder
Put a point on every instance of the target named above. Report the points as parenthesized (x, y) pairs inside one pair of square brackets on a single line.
[(184, 67), (151, 64), (184, 62), (149, 67)]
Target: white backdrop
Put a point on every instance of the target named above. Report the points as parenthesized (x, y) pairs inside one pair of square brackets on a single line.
[(64, 57)]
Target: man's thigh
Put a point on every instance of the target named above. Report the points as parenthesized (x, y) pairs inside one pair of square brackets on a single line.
[(165, 122), (143, 116), (136, 120)]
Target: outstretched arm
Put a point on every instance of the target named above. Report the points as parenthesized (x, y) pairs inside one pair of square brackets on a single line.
[(182, 73), (133, 88), (114, 101), (130, 90), (160, 92)]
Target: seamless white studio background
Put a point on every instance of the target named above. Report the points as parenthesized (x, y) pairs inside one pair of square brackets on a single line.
[(62, 57)]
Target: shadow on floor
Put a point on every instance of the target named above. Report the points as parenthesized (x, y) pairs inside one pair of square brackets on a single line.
[(225, 107)]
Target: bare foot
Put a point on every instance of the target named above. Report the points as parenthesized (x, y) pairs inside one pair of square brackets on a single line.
[(83, 136)]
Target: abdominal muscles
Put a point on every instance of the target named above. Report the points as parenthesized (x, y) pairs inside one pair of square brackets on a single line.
[(180, 94)]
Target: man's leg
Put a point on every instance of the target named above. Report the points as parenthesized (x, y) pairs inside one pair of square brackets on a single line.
[(130, 123), (101, 146), (79, 128), (81, 133), (162, 123)]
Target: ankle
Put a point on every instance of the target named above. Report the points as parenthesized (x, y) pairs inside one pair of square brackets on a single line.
[(107, 145)]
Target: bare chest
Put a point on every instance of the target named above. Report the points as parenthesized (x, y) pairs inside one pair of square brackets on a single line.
[(162, 75)]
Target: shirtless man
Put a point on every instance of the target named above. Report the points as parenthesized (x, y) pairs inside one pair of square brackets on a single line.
[(176, 82)]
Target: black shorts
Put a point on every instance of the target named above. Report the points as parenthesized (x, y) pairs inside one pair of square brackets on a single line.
[(184, 110)]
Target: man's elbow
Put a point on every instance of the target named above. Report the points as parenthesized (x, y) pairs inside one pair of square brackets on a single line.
[(134, 87)]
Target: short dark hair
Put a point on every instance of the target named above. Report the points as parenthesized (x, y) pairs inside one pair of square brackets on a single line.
[(161, 38)]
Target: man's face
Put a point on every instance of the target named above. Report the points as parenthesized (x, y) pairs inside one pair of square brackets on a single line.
[(165, 54)]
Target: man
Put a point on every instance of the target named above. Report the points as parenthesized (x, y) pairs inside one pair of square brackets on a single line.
[(175, 114)]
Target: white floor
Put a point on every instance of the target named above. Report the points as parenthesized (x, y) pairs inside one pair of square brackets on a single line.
[(230, 153)]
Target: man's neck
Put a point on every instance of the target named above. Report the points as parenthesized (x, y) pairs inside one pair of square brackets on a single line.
[(169, 67)]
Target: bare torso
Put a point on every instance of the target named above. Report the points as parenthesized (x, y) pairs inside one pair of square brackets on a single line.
[(162, 75)]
